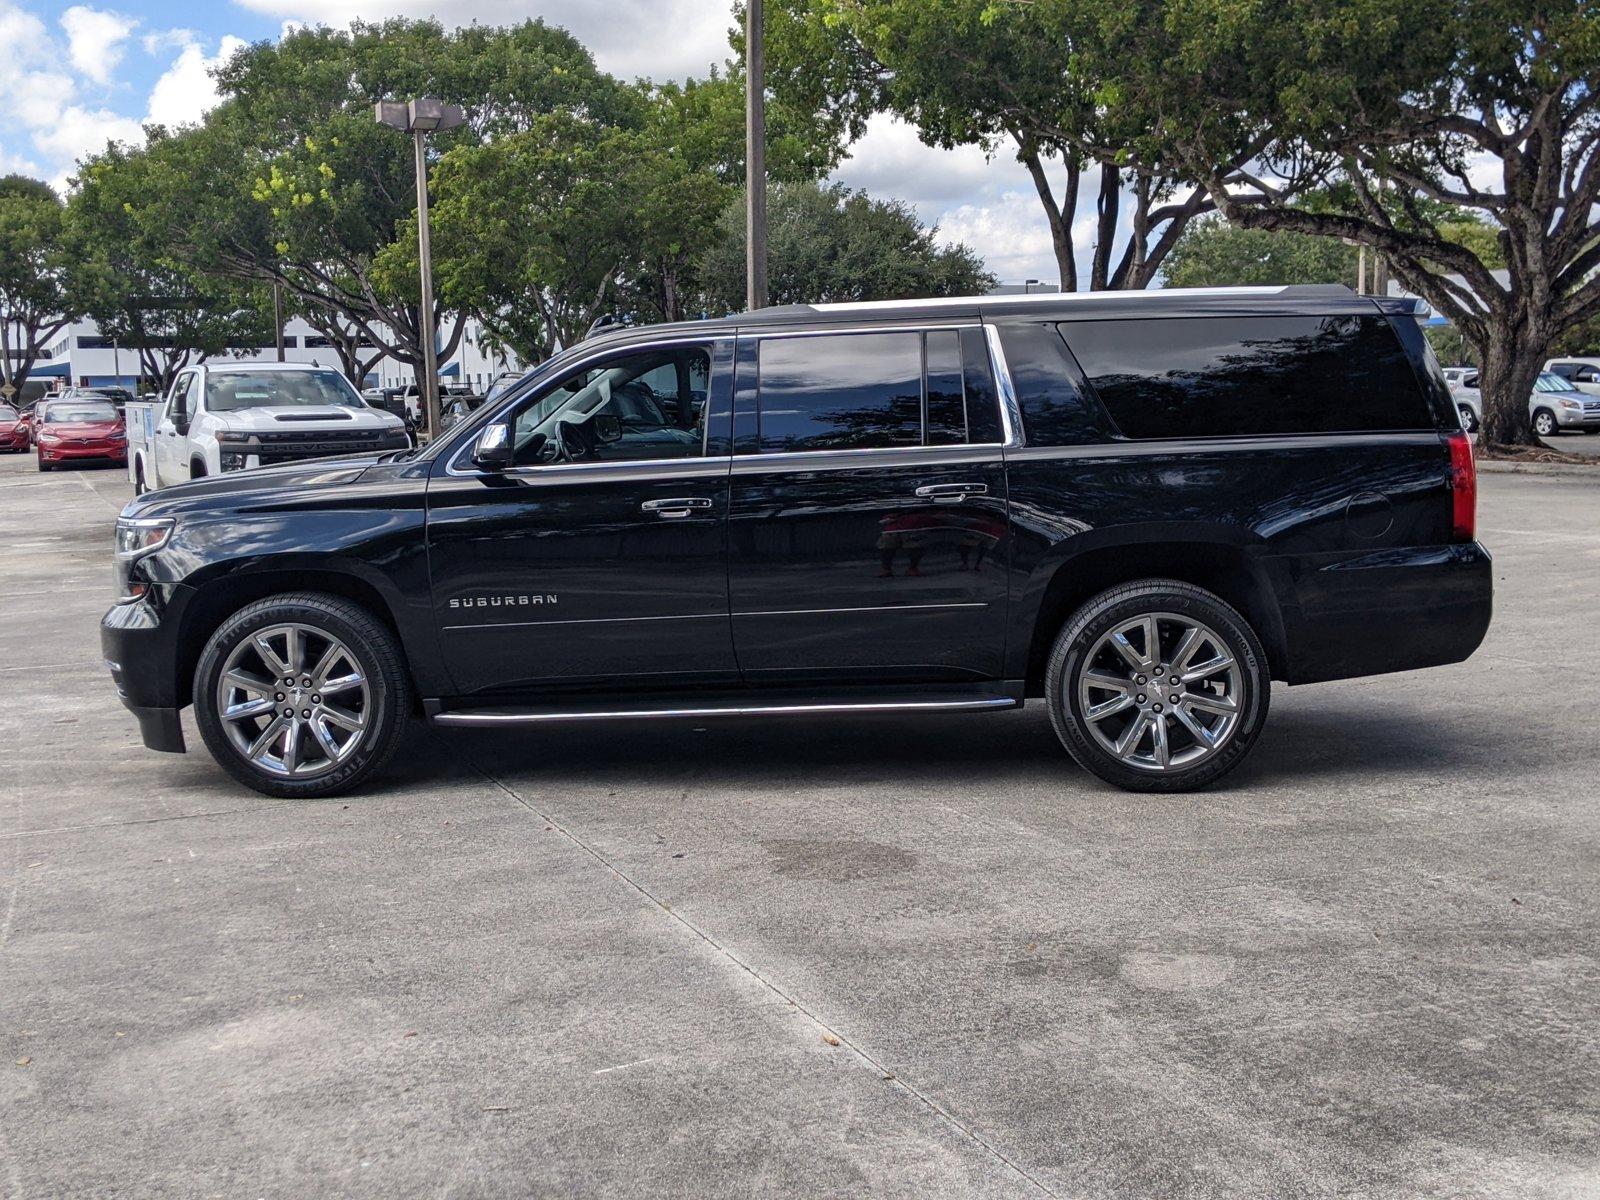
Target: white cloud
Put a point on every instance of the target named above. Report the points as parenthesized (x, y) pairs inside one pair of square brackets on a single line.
[(23, 35), (186, 91), (661, 39), (95, 40)]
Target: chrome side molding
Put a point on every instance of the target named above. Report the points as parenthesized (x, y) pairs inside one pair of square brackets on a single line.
[(492, 717)]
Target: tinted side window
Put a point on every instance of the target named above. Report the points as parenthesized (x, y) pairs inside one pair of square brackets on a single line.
[(983, 405), (1565, 370), (1053, 411), (841, 392), (1240, 376), (645, 405), (947, 406)]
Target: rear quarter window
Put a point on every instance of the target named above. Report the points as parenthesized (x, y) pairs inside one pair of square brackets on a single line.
[(1250, 376)]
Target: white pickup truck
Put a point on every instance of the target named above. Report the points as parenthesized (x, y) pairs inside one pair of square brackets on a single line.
[(229, 416)]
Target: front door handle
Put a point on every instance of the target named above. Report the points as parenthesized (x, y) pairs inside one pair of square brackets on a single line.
[(673, 509), (951, 493)]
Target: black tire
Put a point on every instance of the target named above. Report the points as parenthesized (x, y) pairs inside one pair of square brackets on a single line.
[(1469, 420), (44, 466), (139, 487), (375, 651), (197, 469), (1550, 417), (1103, 613)]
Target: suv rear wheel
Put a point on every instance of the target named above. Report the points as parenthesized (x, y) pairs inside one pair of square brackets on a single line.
[(1158, 686), (301, 695)]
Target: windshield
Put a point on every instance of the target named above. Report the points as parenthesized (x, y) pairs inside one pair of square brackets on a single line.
[(7, 413), (231, 391), (1549, 381), (79, 410)]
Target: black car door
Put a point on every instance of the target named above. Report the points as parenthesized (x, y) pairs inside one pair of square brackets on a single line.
[(599, 557), (867, 530)]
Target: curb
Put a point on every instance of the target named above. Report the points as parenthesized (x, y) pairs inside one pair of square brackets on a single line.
[(1570, 470)]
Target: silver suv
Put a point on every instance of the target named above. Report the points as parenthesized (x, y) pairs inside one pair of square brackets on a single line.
[(1556, 406)]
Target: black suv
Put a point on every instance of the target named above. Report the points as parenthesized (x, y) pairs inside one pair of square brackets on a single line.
[(1142, 507)]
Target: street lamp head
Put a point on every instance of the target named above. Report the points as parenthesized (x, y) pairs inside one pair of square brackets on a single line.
[(432, 116), (422, 115), (392, 113)]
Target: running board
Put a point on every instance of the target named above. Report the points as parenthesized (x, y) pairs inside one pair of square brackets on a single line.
[(542, 716)]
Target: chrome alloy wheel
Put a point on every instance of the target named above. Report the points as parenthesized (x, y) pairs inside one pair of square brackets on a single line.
[(1161, 692), (293, 700)]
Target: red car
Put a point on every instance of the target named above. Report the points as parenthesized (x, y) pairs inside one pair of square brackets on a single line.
[(76, 430), (13, 429)]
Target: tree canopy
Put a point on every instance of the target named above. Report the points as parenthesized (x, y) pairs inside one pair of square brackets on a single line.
[(1483, 105), (828, 243), (37, 294)]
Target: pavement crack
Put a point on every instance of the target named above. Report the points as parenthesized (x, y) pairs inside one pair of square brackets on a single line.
[(863, 1055)]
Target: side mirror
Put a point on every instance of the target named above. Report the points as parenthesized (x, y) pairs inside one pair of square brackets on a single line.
[(180, 422), (493, 450)]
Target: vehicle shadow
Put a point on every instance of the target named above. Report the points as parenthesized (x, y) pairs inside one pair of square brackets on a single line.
[(973, 751)]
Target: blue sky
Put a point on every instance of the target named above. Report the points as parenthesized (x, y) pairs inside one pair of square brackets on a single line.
[(82, 73)]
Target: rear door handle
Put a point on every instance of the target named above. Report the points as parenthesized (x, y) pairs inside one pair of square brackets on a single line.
[(673, 509), (951, 493)]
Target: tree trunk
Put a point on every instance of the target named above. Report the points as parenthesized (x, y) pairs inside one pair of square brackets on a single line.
[(1505, 381)]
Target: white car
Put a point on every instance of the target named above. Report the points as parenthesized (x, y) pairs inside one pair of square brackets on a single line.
[(231, 416), (1555, 406)]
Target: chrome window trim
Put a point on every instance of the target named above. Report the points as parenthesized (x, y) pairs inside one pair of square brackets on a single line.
[(1010, 410), (754, 464), (1152, 447), (470, 433), (763, 335)]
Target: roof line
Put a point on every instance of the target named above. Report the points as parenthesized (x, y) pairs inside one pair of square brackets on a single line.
[(1042, 298)]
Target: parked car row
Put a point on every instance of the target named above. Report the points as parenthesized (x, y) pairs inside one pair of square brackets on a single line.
[(1565, 398)]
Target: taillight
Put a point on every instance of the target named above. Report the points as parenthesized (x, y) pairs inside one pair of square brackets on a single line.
[(1463, 488)]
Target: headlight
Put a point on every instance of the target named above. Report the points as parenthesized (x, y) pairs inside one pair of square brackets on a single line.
[(233, 460), (1574, 405), (136, 538), (233, 439), (48, 439), (116, 435)]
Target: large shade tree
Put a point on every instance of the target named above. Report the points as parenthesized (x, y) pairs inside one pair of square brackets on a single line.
[(1008, 78), (37, 293), (831, 244), (291, 182), (1487, 105), (150, 302)]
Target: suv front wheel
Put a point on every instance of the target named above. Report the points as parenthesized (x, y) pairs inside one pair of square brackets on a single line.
[(1158, 686), (301, 695)]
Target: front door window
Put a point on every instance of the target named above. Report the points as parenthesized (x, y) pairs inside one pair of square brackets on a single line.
[(650, 404)]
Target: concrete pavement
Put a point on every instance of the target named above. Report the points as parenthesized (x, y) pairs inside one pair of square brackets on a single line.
[(919, 958)]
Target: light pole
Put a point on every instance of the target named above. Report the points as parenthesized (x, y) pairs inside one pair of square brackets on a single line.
[(419, 118)]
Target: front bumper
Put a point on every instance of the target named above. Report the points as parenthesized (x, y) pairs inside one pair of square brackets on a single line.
[(106, 452), (138, 644), (1567, 419)]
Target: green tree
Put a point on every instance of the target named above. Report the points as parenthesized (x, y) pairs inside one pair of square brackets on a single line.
[(1000, 76), (1484, 105), (150, 302), (827, 243), (535, 231), (37, 299), (292, 182), (1213, 253)]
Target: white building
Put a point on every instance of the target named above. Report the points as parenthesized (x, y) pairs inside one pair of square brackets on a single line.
[(81, 355)]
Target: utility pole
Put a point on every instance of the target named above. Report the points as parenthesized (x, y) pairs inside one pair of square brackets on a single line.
[(755, 158), (277, 317)]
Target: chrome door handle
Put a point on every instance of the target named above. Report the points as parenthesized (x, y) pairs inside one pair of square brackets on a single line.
[(676, 508), (951, 493)]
